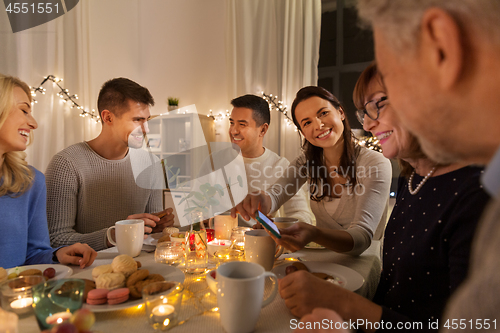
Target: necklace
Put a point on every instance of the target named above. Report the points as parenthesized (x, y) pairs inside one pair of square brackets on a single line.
[(422, 182)]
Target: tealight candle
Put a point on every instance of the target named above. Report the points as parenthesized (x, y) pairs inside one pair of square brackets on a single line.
[(169, 253), (22, 303), (58, 318), (217, 245), (163, 314)]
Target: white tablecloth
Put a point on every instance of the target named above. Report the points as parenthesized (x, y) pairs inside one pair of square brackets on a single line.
[(198, 300)]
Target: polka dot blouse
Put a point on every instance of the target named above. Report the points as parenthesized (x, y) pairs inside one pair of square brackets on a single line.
[(427, 244)]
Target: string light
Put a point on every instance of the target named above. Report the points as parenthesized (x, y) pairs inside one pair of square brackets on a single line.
[(276, 104), (218, 117), (65, 96), (369, 142)]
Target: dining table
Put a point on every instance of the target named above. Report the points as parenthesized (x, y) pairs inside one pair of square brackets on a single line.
[(199, 305)]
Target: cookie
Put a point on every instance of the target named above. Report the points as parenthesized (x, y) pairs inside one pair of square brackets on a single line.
[(136, 289), (165, 238), (300, 266), (101, 270), (89, 285), (169, 230), (124, 264), (154, 288), (30, 271), (137, 276), (97, 296), (134, 293), (118, 296), (110, 281), (139, 265)]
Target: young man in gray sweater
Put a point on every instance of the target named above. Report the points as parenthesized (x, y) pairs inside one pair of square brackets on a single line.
[(91, 185)]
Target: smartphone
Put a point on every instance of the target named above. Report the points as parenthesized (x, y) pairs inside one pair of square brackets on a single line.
[(268, 224)]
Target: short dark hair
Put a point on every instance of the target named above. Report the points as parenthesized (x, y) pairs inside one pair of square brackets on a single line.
[(115, 93), (259, 106)]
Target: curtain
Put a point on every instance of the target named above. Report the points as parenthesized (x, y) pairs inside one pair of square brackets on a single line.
[(273, 46), (59, 47)]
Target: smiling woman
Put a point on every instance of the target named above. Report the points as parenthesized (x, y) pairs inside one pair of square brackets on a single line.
[(349, 184), (24, 237)]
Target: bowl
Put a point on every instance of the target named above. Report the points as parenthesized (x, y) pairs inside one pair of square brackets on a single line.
[(284, 222), (211, 280), (217, 245), (178, 237)]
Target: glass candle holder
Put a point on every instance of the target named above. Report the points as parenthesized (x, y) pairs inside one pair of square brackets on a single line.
[(170, 253), (238, 237), (210, 235), (196, 252), (162, 301), (8, 322), (55, 301), (17, 295), (227, 255)]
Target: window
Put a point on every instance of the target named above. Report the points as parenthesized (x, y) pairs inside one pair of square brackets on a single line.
[(345, 51)]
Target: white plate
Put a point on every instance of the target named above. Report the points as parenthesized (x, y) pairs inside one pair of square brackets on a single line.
[(314, 246), (61, 270), (350, 279), (168, 272), (152, 239)]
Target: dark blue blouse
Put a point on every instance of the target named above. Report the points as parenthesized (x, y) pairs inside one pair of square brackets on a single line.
[(427, 245)]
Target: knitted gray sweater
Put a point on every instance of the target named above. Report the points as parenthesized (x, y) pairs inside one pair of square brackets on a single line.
[(86, 194)]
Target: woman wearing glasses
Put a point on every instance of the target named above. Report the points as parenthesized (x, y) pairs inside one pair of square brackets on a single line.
[(349, 184), (428, 236)]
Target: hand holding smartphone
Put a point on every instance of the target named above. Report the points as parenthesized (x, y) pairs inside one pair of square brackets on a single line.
[(268, 224)]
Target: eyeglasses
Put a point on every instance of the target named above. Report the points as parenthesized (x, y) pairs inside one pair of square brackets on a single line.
[(372, 109)]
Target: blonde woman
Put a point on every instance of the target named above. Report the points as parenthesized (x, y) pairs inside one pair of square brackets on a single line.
[(24, 237)]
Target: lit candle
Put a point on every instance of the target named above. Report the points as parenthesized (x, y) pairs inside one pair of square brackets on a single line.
[(58, 318), (217, 245), (21, 303), (163, 314)]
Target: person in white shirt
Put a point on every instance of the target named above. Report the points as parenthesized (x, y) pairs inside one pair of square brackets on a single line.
[(249, 123)]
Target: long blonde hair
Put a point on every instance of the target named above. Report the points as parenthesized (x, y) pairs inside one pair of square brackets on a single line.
[(16, 176)]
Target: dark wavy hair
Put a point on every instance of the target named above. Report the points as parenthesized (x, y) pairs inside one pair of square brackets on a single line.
[(314, 157)]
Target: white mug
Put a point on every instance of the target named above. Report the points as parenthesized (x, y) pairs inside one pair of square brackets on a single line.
[(223, 224), (240, 292), (261, 249), (129, 236), (284, 222)]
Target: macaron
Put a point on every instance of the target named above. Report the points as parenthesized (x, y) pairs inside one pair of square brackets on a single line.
[(97, 296), (118, 296)]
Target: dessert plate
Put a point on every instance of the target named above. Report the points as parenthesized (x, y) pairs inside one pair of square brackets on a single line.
[(314, 246), (61, 270), (152, 239), (170, 273), (348, 278)]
